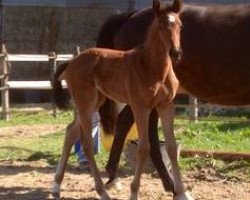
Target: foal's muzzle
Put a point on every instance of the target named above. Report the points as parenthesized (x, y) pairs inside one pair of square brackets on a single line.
[(175, 54)]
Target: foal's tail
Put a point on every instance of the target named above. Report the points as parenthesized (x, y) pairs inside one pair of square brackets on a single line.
[(61, 100)]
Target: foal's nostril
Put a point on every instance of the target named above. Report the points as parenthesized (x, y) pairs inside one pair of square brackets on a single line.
[(179, 54), (175, 54)]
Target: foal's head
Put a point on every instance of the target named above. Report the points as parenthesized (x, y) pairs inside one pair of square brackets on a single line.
[(169, 26)]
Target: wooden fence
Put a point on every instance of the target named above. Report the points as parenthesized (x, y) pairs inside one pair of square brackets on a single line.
[(52, 59), (6, 84)]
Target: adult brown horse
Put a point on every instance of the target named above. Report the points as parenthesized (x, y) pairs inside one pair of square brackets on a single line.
[(142, 77), (215, 67)]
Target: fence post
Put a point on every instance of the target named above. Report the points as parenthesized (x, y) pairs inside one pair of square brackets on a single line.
[(131, 5), (53, 65), (78, 51), (193, 112), (4, 83)]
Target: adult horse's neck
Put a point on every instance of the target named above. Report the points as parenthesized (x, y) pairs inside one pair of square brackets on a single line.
[(156, 53)]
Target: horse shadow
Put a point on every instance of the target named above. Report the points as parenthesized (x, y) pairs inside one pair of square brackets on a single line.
[(19, 193), (16, 193), (10, 169), (233, 126)]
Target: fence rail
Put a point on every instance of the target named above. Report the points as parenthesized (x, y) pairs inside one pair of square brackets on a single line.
[(36, 57), (6, 84), (52, 59)]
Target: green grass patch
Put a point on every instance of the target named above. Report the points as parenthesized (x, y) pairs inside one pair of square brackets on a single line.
[(203, 135), (47, 147), (36, 118), (30, 149), (207, 135)]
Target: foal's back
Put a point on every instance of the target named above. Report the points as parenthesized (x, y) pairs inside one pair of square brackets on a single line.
[(107, 70)]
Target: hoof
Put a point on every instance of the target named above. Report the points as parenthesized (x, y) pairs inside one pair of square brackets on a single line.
[(55, 196), (105, 196), (133, 196), (55, 193), (116, 184), (184, 196)]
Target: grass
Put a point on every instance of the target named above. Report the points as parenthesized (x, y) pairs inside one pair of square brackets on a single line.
[(214, 135), (36, 118), (204, 135), (31, 149), (46, 147)]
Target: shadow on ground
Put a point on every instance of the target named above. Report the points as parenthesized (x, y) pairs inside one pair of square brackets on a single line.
[(22, 193)]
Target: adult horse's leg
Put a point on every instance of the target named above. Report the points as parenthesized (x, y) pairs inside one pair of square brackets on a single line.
[(108, 116), (141, 116), (166, 113), (155, 153), (73, 132), (124, 123)]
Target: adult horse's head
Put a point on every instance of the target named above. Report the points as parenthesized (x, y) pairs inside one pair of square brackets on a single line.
[(169, 24)]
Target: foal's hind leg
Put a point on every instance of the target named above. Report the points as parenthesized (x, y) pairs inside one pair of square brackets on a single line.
[(85, 109), (166, 113), (72, 133)]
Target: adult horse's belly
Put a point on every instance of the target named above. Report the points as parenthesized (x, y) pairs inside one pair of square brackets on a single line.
[(224, 90), (216, 55)]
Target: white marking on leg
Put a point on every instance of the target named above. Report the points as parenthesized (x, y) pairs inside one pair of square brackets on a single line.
[(59, 167), (184, 196), (116, 184), (56, 188)]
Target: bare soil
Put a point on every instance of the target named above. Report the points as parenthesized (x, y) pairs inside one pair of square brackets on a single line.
[(33, 180)]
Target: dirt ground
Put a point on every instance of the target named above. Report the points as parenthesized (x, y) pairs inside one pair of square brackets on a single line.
[(33, 181)]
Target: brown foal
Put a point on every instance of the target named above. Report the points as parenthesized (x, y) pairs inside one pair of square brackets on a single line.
[(142, 77)]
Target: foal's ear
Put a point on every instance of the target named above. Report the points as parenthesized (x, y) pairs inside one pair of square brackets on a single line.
[(156, 6), (177, 6)]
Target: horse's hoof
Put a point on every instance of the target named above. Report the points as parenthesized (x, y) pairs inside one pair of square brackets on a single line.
[(184, 196), (105, 196), (55, 193), (116, 184), (133, 196), (55, 196)]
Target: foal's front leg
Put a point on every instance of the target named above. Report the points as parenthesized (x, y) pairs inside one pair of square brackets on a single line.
[(72, 133), (141, 118), (167, 113)]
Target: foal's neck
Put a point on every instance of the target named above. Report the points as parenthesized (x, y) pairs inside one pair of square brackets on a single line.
[(156, 53)]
